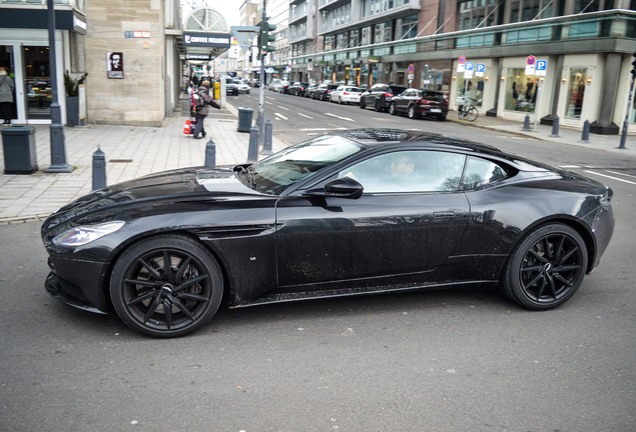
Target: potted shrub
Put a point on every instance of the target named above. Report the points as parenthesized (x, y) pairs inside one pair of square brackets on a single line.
[(71, 85)]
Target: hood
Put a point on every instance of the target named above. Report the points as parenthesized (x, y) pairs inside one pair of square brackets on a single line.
[(188, 185)]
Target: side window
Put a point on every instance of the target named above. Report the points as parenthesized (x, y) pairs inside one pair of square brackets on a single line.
[(409, 171), (480, 172)]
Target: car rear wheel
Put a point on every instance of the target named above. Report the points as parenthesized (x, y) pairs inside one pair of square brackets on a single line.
[(546, 268), (362, 104), (166, 286), (392, 110), (377, 105)]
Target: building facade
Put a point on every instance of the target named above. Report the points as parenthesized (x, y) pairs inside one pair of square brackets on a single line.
[(514, 58)]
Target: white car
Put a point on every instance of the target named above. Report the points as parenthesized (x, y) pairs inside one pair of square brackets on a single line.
[(243, 88), (346, 94)]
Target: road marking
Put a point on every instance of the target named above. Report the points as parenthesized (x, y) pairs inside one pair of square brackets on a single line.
[(613, 178), (322, 129), (569, 166), (268, 102), (282, 107), (621, 174), (306, 116), (341, 118), (281, 116)]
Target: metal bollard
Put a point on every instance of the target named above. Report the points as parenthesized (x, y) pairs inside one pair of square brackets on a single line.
[(555, 127), (526, 124), (267, 144), (99, 169), (210, 153), (252, 151), (585, 135)]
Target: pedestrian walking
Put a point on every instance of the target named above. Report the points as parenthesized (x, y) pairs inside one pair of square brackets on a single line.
[(6, 96), (202, 102)]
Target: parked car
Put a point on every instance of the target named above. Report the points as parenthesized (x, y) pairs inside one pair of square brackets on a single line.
[(345, 94), (364, 211), (323, 90), (309, 91), (379, 96), (284, 87), (274, 85), (231, 89), (298, 88), (243, 88), (418, 103)]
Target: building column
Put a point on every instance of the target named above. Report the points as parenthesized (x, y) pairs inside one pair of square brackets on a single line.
[(611, 74)]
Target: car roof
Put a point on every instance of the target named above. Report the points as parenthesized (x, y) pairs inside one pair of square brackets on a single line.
[(380, 137)]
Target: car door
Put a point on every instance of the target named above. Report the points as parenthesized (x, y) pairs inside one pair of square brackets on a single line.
[(399, 231)]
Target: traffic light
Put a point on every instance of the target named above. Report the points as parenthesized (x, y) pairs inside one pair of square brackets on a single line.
[(634, 66), (264, 38)]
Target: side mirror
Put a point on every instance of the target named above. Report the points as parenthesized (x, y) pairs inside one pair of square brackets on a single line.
[(343, 187)]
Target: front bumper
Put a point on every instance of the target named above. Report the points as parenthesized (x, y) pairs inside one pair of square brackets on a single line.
[(78, 283)]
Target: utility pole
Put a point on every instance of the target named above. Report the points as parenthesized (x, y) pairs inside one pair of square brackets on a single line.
[(262, 52), (629, 104), (58, 150)]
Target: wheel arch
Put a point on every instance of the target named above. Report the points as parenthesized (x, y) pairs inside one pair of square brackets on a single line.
[(149, 235)]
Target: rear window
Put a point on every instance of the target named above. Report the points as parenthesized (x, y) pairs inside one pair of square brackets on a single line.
[(397, 89), (433, 96)]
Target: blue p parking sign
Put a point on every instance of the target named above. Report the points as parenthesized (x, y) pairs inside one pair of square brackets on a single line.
[(541, 67)]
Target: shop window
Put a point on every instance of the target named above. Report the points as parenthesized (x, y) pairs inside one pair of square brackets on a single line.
[(521, 91), (472, 89), (37, 81), (576, 92)]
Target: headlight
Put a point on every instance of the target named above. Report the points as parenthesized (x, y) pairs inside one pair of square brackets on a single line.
[(84, 234)]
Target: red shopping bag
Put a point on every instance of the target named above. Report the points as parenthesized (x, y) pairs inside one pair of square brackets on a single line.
[(187, 128)]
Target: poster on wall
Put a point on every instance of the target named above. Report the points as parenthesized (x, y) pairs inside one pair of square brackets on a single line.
[(115, 65)]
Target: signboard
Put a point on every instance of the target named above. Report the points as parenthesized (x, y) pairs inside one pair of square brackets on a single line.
[(480, 69), (411, 68), (245, 35), (214, 40), (469, 69), (541, 67)]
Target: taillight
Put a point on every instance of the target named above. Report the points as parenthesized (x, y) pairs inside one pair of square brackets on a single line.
[(345, 93), (388, 95)]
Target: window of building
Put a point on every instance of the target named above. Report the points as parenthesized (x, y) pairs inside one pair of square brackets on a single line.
[(527, 10), (406, 27), (366, 36), (576, 92), (521, 91), (373, 7), (342, 40), (474, 14), (383, 32), (354, 38), (587, 6), (330, 43)]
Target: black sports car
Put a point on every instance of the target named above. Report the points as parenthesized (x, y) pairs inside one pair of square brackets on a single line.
[(352, 212)]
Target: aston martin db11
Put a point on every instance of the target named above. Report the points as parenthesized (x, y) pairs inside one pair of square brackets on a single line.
[(345, 213)]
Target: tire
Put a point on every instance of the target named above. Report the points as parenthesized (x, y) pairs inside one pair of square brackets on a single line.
[(546, 268), (441, 118), (412, 112), (392, 109), (472, 114), (339, 100), (142, 286), (362, 104), (376, 106)]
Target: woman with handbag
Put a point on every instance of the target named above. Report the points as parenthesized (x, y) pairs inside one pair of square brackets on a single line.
[(202, 102)]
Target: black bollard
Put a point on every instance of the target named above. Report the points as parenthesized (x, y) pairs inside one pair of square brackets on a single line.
[(252, 151), (267, 144), (555, 127), (99, 169), (526, 124), (585, 135), (210, 153)]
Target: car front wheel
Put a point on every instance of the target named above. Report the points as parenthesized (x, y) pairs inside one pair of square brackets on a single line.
[(546, 268), (166, 286), (392, 109)]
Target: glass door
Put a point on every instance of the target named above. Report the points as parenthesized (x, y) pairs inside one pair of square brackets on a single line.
[(37, 82)]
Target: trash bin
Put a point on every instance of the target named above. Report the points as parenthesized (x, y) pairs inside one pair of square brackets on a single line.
[(18, 147), (245, 119)]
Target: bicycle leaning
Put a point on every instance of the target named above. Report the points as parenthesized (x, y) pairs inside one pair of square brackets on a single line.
[(468, 111)]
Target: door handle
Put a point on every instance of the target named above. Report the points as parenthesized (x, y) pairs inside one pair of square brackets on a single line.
[(444, 214)]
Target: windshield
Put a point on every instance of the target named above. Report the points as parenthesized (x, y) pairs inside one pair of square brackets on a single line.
[(281, 170)]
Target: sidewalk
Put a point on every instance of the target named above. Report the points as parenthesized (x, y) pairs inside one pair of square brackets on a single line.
[(136, 151)]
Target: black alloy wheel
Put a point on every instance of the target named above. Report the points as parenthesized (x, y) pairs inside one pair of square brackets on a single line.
[(546, 268), (377, 105), (166, 286)]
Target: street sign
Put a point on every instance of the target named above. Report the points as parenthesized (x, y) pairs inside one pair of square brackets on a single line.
[(244, 35), (411, 68), (461, 61), (530, 60), (480, 68), (469, 69), (541, 68)]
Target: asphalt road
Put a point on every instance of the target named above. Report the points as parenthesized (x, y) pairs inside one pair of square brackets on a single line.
[(461, 360)]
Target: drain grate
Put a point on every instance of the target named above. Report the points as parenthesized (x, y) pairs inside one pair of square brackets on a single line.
[(120, 160)]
